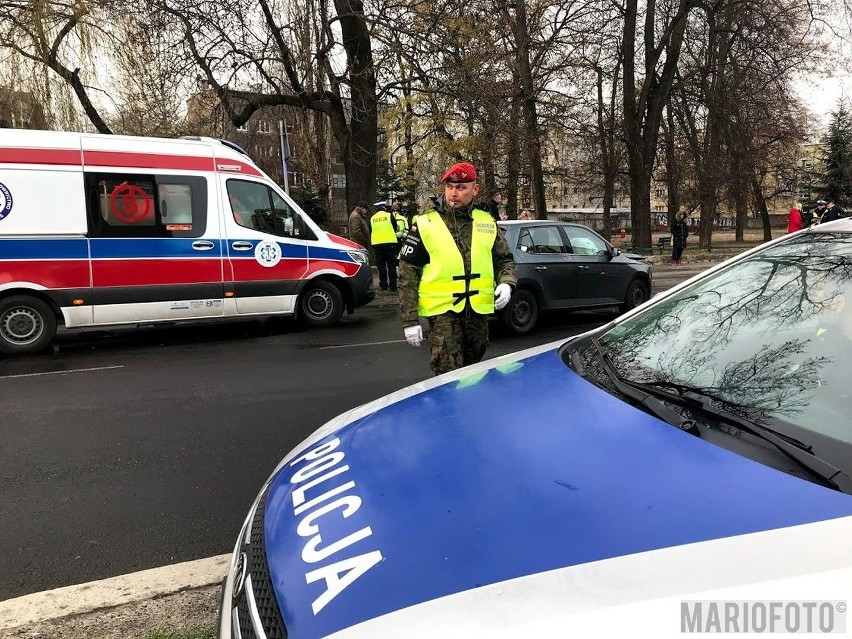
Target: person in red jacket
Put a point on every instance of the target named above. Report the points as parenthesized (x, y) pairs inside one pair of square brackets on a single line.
[(794, 219)]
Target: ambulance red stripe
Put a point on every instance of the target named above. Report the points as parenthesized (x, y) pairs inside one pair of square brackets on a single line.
[(48, 273), (40, 156), (130, 272), (147, 161), (249, 270), (117, 159)]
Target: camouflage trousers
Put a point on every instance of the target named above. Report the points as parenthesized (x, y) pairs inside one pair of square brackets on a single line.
[(458, 339)]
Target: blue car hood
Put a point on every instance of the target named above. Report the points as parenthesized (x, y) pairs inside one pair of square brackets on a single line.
[(518, 470)]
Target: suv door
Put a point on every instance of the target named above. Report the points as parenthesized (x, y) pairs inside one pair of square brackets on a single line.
[(266, 248), (600, 281), (546, 253)]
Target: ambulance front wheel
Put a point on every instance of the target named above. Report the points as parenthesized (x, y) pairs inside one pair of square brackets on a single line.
[(321, 304), (27, 325)]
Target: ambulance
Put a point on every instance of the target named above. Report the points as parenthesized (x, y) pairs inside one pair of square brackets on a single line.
[(105, 230)]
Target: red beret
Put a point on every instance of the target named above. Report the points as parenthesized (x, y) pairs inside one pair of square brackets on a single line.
[(460, 172)]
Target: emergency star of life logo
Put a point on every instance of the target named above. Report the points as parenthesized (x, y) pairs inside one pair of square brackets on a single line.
[(5, 201), (267, 253)]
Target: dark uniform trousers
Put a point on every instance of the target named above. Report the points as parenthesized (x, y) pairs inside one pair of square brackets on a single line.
[(386, 262), (457, 339)]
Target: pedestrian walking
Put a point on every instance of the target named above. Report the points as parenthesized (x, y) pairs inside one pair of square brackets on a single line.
[(680, 231), (525, 214), (456, 269), (359, 224), (384, 240), (794, 219)]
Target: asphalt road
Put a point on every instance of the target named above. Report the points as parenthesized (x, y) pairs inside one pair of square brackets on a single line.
[(146, 448)]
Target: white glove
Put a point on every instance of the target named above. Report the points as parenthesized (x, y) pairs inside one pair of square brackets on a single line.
[(414, 334), (501, 295)]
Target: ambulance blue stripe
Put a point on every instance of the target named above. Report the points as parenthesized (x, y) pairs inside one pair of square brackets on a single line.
[(523, 471), (325, 253), (44, 249), (143, 248)]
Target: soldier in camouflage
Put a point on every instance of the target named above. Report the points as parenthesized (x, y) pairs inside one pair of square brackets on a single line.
[(455, 269)]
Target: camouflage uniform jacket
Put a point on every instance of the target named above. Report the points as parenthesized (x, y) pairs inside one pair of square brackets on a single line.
[(413, 257)]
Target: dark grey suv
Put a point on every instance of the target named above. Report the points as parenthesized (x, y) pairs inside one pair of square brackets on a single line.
[(568, 266)]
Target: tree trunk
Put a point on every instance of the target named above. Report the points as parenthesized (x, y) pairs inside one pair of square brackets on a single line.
[(513, 169), (528, 97), (760, 201), (673, 171), (361, 150), (643, 109)]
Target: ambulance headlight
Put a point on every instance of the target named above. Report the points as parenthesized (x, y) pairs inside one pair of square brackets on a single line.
[(359, 256)]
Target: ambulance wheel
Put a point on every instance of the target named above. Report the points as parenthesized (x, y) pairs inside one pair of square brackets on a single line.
[(321, 304), (27, 325), (521, 313)]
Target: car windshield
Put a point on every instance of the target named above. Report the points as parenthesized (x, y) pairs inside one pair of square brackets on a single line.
[(770, 336)]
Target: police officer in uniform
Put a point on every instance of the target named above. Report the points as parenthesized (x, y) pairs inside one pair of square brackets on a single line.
[(456, 268), (384, 240), (401, 222)]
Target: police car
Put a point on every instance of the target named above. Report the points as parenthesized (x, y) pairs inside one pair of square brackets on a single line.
[(698, 448)]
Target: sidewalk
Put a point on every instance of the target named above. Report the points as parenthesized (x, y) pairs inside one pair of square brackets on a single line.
[(180, 596)]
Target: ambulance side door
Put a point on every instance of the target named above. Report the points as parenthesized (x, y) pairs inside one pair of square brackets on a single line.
[(156, 250), (266, 247)]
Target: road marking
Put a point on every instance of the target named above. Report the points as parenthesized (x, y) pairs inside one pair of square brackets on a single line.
[(390, 341), (114, 591), (73, 370)]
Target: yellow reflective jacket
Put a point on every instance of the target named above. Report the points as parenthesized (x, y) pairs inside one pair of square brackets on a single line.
[(444, 285)]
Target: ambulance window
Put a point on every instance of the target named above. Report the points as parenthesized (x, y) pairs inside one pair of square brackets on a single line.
[(256, 206), (124, 205)]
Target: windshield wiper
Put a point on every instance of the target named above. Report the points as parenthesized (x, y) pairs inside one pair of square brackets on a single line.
[(694, 397), (703, 397), (792, 448), (643, 397)]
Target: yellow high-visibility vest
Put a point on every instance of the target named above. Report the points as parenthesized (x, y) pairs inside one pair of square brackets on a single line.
[(382, 229), (443, 284), (401, 225)]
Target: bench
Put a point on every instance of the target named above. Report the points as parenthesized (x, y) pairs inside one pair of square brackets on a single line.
[(664, 243)]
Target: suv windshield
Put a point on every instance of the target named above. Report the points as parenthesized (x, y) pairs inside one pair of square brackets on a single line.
[(770, 336)]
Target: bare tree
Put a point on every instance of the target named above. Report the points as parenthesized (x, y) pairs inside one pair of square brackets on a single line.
[(62, 36), (646, 94)]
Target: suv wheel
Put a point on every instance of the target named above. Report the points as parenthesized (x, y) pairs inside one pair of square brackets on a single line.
[(637, 293), (521, 313)]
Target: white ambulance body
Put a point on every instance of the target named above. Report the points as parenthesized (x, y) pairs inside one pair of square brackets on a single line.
[(99, 230)]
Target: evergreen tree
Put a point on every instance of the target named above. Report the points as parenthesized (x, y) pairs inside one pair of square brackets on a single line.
[(392, 187), (838, 161)]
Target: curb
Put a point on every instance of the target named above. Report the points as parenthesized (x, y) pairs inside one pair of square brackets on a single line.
[(111, 592)]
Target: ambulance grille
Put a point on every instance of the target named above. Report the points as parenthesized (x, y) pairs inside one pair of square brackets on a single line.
[(263, 603)]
